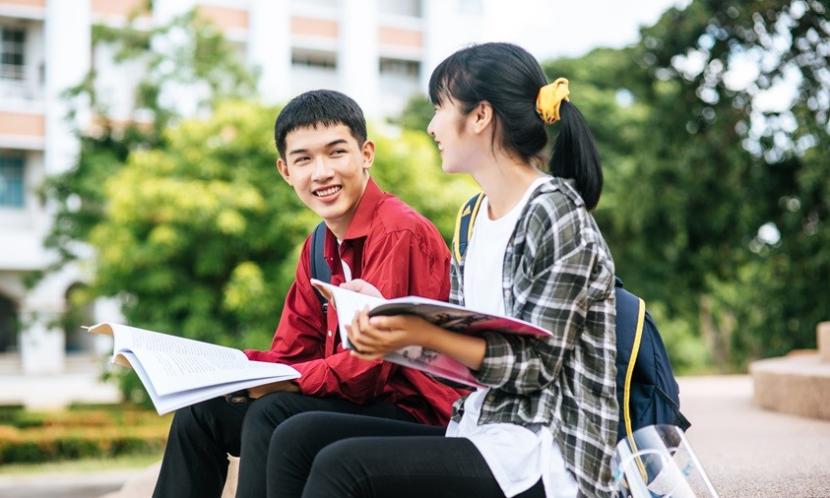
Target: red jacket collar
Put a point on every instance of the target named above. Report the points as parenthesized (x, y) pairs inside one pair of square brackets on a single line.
[(365, 212)]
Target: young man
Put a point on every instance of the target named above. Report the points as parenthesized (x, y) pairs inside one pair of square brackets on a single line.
[(325, 156)]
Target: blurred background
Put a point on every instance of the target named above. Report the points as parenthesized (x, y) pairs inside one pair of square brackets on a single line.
[(137, 179)]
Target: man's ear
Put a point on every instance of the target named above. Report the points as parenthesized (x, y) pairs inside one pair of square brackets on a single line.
[(368, 151), (482, 116), (282, 168)]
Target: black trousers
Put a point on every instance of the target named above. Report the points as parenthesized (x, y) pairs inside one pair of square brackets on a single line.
[(195, 462), (333, 455)]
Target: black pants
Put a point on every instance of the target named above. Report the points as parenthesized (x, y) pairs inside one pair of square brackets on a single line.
[(195, 460), (333, 455)]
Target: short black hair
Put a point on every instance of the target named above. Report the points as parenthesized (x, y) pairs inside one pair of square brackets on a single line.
[(319, 107)]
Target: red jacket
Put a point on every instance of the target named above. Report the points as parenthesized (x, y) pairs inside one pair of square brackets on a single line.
[(401, 253)]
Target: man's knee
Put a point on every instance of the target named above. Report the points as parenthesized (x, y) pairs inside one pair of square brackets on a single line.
[(270, 411), (194, 418), (276, 407)]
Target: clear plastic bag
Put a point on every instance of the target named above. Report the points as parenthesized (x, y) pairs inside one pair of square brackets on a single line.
[(658, 461)]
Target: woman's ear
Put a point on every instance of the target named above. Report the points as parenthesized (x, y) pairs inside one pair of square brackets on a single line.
[(482, 116)]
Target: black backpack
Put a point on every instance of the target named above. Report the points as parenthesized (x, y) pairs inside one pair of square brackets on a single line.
[(646, 389)]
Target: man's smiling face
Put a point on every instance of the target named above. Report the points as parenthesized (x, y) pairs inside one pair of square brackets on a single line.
[(328, 169)]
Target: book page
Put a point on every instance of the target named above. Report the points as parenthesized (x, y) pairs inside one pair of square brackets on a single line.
[(175, 364), (165, 403)]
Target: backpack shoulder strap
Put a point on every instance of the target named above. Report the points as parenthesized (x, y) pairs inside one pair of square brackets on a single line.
[(464, 222), (319, 267), (632, 361)]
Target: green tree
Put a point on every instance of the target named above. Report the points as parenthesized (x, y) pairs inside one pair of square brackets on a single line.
[(702, 177), (768, 164), (416, 115)]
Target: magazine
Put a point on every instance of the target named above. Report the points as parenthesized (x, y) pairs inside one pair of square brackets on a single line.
[(449, 316)]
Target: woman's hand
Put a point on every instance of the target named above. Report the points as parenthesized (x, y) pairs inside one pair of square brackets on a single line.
[(375, 337), (362, 286)]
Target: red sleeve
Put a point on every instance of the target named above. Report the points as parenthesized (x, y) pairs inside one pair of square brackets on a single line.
[(344, 376), (299, 335), (406, 264)]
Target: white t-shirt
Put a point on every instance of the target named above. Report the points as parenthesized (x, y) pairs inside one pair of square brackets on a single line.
[(347, 271), (517, 456)]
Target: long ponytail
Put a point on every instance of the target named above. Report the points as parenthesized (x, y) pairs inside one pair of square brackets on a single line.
[(575, 155)]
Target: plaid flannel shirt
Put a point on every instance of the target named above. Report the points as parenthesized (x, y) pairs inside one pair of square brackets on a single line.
[(557, 273)]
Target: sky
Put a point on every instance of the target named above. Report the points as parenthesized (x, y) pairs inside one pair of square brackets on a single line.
[(552, 28)]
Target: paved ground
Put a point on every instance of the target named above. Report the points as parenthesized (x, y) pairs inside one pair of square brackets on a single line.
[(64, 486), (747, 452)]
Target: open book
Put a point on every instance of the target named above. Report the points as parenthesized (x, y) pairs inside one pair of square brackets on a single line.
[(449, 316), (179, 372)]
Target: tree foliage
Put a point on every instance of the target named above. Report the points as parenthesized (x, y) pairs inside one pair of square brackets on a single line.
[(716, 204)]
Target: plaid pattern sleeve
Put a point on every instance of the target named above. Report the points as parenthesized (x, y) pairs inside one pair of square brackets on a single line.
[(558, 273)]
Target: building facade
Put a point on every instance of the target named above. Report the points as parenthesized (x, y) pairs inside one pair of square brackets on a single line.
[(378, 51)]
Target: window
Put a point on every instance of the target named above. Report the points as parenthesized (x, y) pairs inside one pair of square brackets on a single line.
[(409, 8), (312, 69), (329, 4), (400, 68), (11, 181), (79, 311), (8, 325), (12, 49), (314, 58), (470, 7)]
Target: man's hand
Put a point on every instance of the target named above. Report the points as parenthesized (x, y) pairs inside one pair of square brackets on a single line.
[(283, 386), (361, 286)]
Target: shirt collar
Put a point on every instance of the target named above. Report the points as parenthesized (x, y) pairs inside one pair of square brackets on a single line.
[(365, 212)]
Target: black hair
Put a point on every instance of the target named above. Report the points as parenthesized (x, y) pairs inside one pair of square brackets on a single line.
[(509, 78), (319, 108)]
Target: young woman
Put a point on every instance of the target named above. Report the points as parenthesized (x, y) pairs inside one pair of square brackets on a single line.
[(545, 425)]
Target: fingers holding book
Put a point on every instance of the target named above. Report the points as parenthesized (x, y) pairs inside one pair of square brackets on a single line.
[(373, 338)]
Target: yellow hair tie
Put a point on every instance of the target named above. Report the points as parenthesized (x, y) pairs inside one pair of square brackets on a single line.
[(549, 99)]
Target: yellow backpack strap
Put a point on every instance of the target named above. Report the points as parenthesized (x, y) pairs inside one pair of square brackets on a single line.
[(464, 222), (629, 374)]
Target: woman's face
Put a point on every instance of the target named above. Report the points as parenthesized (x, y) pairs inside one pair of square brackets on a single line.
[(450, 129)]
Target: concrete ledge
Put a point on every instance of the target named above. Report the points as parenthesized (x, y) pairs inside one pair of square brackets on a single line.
[(823, 337), (797, 384)]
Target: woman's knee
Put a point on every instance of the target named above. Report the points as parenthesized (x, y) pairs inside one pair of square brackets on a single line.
[(339, 467), (300, 431)]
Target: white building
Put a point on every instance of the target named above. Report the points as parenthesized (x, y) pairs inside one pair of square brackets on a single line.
[(378, 51)]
